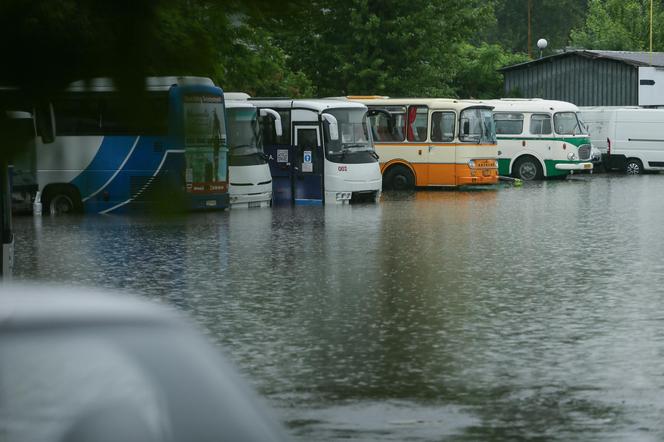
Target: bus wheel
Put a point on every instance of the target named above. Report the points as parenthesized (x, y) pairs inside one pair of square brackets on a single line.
[(633, 167), (61, 201), (527, 169), (399, 178)]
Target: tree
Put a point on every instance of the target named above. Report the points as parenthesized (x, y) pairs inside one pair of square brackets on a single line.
[(621, 25), (478, 75), (380, 46), (550, 20)]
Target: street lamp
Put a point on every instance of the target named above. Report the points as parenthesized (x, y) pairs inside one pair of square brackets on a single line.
[(542, 44)]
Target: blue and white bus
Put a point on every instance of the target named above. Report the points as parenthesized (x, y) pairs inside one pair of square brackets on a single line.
[(325, 154), (170, 151)]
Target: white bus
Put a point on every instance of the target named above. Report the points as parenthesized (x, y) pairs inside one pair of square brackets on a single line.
[(325, 154), (167, 151), (540, 138), (250, 181), (631, 139)]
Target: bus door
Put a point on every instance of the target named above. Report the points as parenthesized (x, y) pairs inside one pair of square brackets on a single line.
[(307, 167), (279, 152), (442, 150)]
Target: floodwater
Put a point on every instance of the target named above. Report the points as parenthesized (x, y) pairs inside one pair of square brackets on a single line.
[(516, 313)]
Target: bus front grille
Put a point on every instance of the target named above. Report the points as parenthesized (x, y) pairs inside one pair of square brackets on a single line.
[(584, 152)]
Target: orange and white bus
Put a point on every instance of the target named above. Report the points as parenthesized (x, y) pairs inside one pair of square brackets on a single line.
[(433, 142)]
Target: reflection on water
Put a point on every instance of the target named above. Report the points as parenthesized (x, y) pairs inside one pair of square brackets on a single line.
[(503, 314)]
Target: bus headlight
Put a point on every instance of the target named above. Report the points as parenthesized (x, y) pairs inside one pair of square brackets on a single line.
[(471, 164), (571, 156)]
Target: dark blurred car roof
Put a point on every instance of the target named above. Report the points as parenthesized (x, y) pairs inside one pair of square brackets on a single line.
[(82, 365)]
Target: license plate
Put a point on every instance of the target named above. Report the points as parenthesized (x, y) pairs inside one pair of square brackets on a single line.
[(486, 172), (254, 204), (587, 166), (211, 203), (485, 163)]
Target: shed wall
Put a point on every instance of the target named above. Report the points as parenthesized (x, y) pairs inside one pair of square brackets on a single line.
[(579, 80)]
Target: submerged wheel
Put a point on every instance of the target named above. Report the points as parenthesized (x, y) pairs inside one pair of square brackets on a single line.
[(399, 178), (633, 167), (61, 201), (527, 169)]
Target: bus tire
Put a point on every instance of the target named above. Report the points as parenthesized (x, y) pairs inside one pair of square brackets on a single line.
[(398, 178), (633, 166), (61, 200), (527, 168)]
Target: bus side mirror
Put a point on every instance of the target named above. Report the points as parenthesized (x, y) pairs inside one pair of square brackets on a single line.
[(466, 127), (334, 126), (45, 122), (277, 120)]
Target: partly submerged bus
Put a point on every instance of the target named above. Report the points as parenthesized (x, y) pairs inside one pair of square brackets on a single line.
[(433, 142), (540, 138), (250, 181), (167, 150), (325, 154)]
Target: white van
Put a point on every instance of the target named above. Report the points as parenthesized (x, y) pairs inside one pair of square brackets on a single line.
[(630, 138)]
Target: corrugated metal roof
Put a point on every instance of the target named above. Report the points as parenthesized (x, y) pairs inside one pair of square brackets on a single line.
[(631, 58)]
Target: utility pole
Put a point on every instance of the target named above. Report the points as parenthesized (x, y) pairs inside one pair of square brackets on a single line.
[(530, 13), (651, 32)]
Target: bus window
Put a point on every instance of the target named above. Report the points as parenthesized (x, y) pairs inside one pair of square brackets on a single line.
[(540, 124), (77, 116), (205, 138), (145, 116), (477, 126), (566, 123), (387, 123), (442, 126), (417, 123), (508, 123), (268, 134), (243, 130), (353, 132)]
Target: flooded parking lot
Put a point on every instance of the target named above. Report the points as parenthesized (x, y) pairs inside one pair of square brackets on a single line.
[(516, 313)]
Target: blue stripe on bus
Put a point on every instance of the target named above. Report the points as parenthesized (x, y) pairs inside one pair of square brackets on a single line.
[(142, 164), (110, 155)]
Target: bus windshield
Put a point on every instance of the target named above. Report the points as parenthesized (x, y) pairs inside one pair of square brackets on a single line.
[(567, 123), (205, 139), (243, 131), (353, 132), (477, 126)]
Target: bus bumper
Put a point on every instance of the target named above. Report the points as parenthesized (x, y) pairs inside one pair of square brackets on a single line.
[(574, 166), (209, 202), (250, 200), (479, 177)]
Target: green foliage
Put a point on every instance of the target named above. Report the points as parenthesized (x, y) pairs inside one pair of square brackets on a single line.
[(478, 75), (251, 62), (551, 20), (381, 46), (620, 25)]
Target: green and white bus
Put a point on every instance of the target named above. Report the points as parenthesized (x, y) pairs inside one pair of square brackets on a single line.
[(540, 138)]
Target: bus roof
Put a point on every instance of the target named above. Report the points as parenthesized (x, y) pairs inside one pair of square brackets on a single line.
[(434, 103), (236, 104), (316, 104), (236, 96), (531, 105), (151, 83)]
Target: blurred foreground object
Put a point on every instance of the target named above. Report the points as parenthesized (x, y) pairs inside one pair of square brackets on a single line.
[(79, 365)]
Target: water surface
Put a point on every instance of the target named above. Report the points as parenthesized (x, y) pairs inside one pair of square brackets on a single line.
[(516, 313)]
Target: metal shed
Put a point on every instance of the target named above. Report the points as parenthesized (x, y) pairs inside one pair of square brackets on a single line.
[(583, 77)]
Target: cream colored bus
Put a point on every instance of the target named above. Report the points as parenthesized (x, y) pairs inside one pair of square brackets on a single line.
[(433, 142)]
